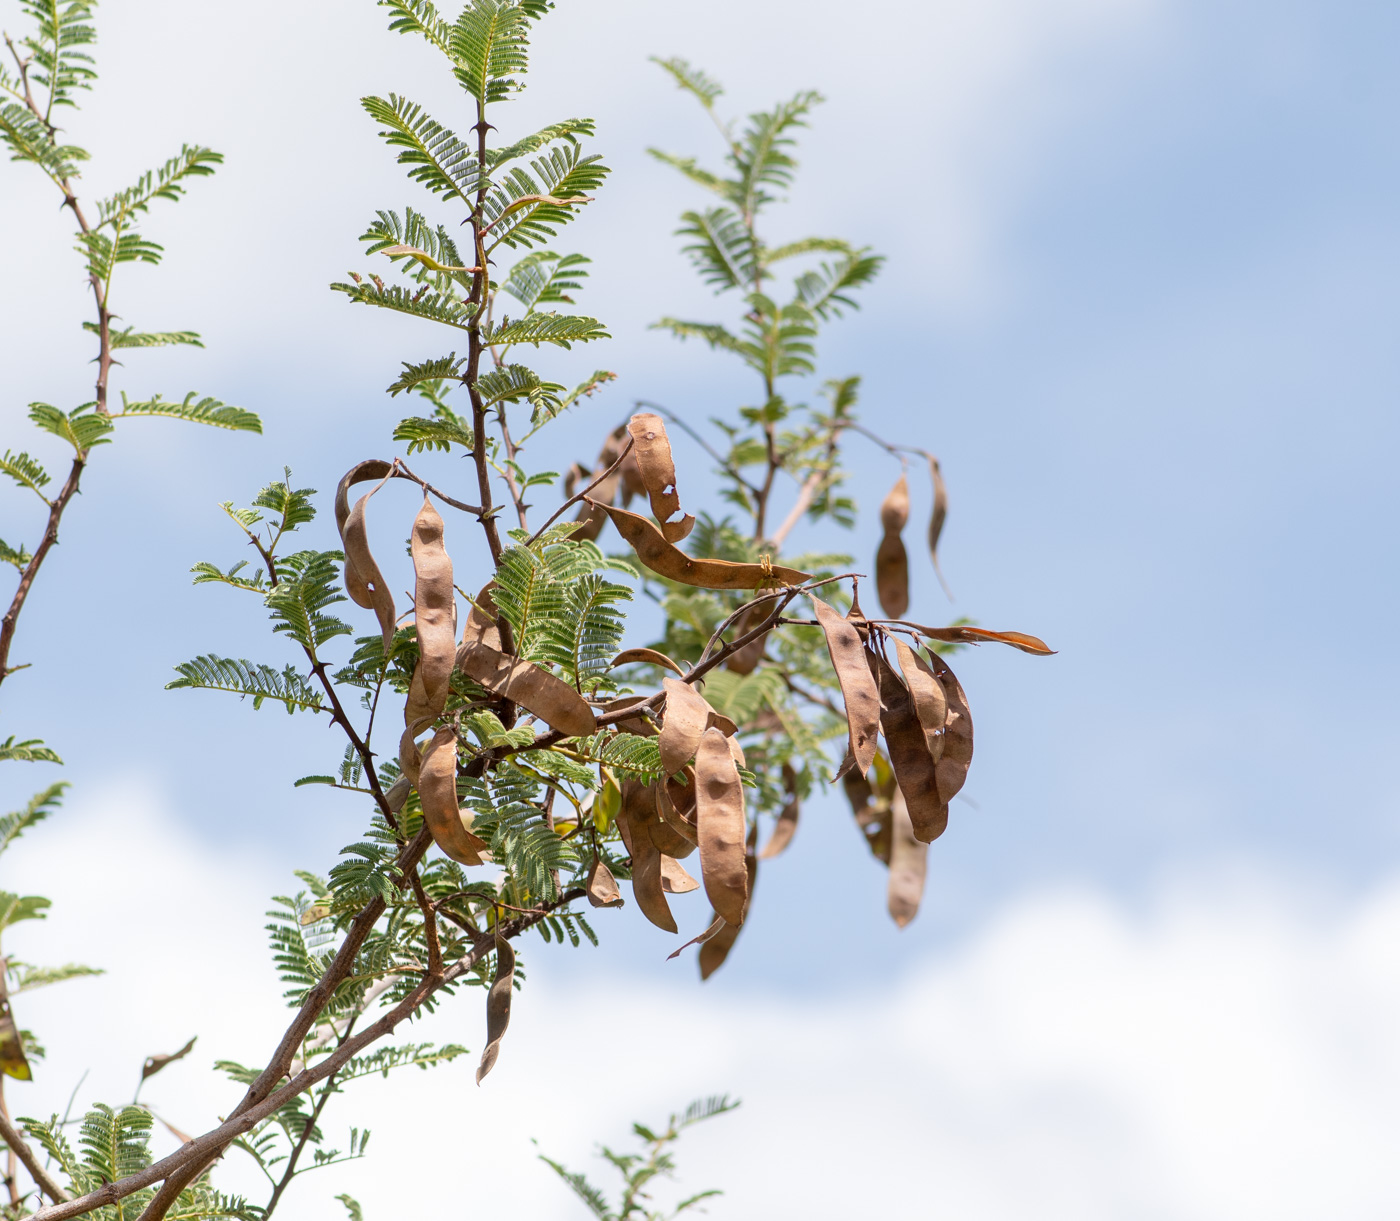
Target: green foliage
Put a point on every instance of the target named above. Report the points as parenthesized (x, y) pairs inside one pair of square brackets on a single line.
[(18, 557), (39, 807), (26, 472), (31, 750), (204, 411), (213, 673), (306, 584), (82, 428)]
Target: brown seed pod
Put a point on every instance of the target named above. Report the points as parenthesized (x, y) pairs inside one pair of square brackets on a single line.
[(745, 660), (602, 886), (679, 823), (674, 879), (480, 627), (871, 814), (908, 864), (639, 808), (13, 1062), (497, 1006), (787, 821), (940, 514), (641, 725), (593, 517), (536, 690), (363, 581), (437, 790), (628, 656), (963, 634), (668, 839), (892, 559), (930, 700), (914, 768), (669, 561), (957, 733), (435, 611), (727, 727), (682, 794), (652, 450), (716, 948), (721, 823), (684, 720), (858, 690)]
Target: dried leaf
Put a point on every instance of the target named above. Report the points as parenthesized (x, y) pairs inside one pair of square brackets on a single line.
[(674, 879), (914, 768), (639, 808), (957, 734), (669, 561), (651, 656), (787, 821), (497, 1006), (721, 823), (13, 1062), (602, 886), (435, 609), (652, 450), (536, 690), (154, 1064), (930, 701), (716, 948), (908, 864), (979, 635), (437, 790), (684, 720), (363, 581), (858, 689)]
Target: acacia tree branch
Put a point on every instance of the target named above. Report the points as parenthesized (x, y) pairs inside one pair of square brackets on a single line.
[(574, 499)]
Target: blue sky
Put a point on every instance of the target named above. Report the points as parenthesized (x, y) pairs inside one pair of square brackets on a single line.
[(1140, 299)]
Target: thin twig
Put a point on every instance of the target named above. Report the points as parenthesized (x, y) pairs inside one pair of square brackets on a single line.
[(574, 499), (728, 469)]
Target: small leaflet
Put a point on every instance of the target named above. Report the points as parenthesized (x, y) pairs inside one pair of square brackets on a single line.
[(497, 1006)]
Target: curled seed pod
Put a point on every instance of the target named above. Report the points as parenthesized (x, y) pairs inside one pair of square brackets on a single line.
[(720, 821), (497, 1006), (908, 864), (480, 627), (716, 948), (787, 821), (602, 886), (735, 749), (536, 690), (651, 448), (363, 581), (721, 722), (641, 725), (914, 768), (437, 790), (639, 808), (858, 690), (684, 720), (13, 1062), (963, 634), (682, 793), (745, 660), (674, 819), (957, 733), (435, 610), (674, 879), (930, 700), (592, 517), (629, 656), (667, 560), (892, 559), (409, 757), (668, 840), (939, 515)]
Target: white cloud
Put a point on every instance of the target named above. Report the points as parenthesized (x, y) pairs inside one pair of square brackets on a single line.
[(1232, 1050)]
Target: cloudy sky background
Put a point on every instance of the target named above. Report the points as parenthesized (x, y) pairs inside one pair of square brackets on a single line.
[(1141, 300)]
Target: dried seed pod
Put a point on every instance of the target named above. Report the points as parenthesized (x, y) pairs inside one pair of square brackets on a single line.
[(716, 948), (363, 581), (536, 690), (963, 634), (674, 879), (745, 660), (668, 839), (673, 818), (721, 823), (497, 1006), (735, 749), (602, 886), (684, 721), (592, 517), (892, 559), (957, 733), (651, 448), (908, 864), (914, 768), (939, 515), (650, 656), (682, 793), (787, 821), (858, 690), (669, 561), (641, 725), (721, 722), (480, 627), (13, 1062), (930, 700), (437, 790), (435, 610), (639, 808)]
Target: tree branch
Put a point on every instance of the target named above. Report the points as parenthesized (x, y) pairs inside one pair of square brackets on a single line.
[(31, 1163)]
